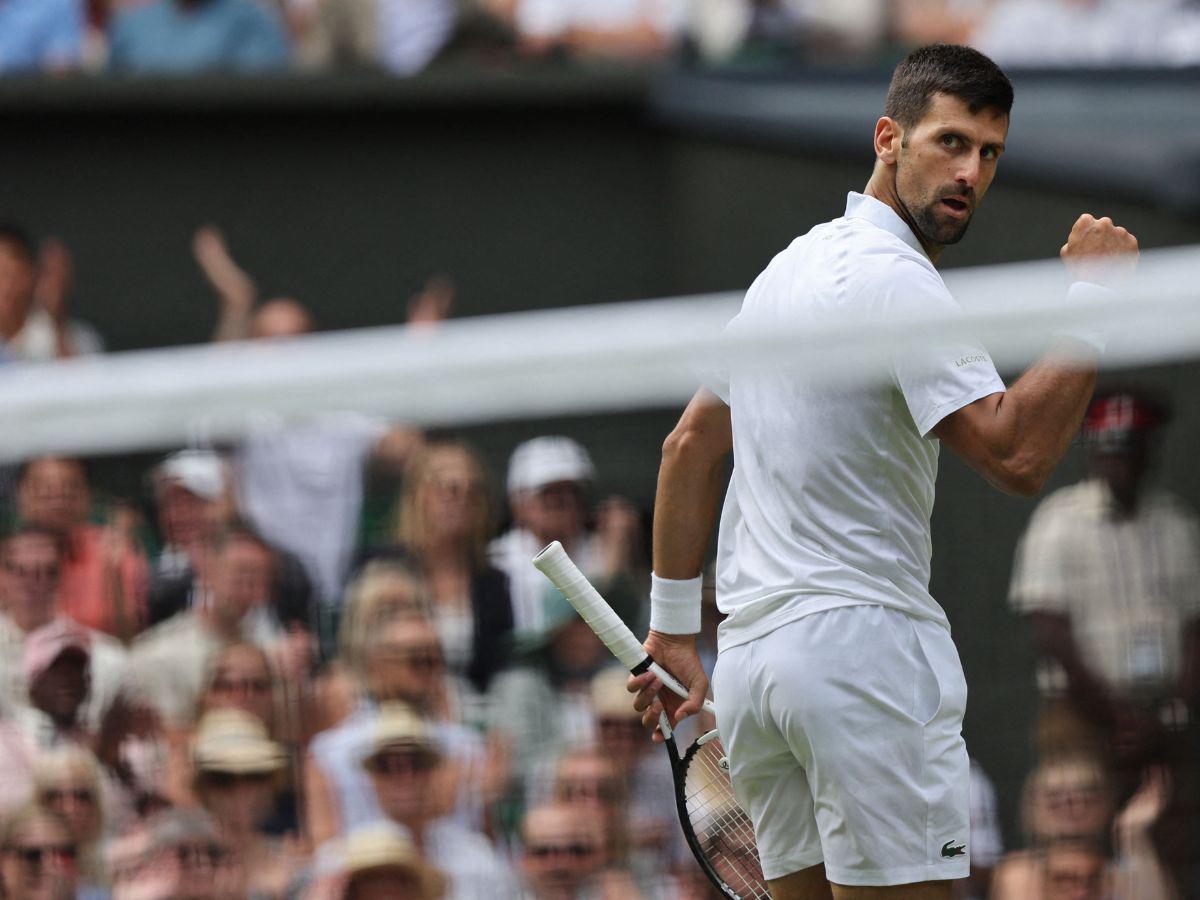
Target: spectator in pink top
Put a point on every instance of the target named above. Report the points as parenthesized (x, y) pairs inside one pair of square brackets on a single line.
[(104, 574)]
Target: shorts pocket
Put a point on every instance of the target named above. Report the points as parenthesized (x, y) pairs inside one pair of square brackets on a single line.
[(927, 690)]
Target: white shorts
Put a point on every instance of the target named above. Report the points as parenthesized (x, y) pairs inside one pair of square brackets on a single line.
[(844, 735)]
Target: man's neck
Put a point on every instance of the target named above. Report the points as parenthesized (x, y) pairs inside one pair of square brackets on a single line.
[(882, 187)]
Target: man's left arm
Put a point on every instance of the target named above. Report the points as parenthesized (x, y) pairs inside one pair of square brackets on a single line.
[(685, 513)]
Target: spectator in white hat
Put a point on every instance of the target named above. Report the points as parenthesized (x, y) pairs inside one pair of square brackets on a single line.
[(548, 482), (193, 493)]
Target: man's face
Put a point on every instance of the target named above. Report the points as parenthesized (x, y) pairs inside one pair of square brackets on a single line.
[(563, 848), (553, 512), (406, 663), (63, 687), (16, 289), (945, 165), (39, 863), (240, 578), (403, 778), (385, 884), (185, 517), (29, 579), (54, 494), (1123, 469)]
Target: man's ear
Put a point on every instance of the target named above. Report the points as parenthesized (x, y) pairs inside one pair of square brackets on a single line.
[(888, 135)]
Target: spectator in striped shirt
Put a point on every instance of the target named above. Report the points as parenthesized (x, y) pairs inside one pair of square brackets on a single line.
[(1108, 574)]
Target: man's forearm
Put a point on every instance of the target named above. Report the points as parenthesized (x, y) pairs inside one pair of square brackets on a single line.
[(1041, 413)]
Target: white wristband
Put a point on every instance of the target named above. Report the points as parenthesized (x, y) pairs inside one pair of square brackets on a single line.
[(1094, 336), (675, 604)]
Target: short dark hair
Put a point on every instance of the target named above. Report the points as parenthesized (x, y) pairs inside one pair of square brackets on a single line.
[(19, 240), (952, 69)]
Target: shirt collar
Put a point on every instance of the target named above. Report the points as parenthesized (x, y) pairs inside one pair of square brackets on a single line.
[(879, 214)]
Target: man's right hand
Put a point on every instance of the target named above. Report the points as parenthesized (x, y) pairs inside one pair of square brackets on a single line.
[(677, 654), (1099, 251)]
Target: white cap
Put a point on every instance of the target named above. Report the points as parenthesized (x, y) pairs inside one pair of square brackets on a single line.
[(546, 460), (200, 471)]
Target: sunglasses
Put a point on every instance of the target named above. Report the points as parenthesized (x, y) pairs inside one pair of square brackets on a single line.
[(589, 790), (38, 855), (41, 573), (429, 660), (402, 763), (200, 854), (225, 780), (242, 686), (58, 795), (575, 851)]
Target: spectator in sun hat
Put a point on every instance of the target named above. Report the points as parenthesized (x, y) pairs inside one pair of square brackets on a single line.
[(549, 479), (414, 783), (239, 771), (380, 861), (398, 660)]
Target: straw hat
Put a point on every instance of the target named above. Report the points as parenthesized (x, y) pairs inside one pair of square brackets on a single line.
[(398, 724), (230, 740), (388, 846), (610, 699)]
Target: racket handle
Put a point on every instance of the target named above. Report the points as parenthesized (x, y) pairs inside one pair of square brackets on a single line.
[(555, 564)]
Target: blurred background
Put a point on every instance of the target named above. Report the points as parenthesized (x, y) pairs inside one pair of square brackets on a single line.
[(316, 660)]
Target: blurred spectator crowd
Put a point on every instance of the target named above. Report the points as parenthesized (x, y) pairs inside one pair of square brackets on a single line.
[(318, 664), (407, 36)]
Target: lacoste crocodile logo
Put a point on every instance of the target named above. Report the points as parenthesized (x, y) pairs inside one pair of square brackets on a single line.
[(950, 851)]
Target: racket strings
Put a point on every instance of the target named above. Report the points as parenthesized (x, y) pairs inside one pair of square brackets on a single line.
[(724, 831)]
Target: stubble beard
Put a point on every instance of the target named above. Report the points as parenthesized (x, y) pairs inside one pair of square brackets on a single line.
[(923, 216)]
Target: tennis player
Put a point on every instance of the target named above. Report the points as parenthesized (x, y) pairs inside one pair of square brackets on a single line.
[(838, 689)]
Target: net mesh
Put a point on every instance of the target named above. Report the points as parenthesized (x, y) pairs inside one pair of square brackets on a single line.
[(724, 831)]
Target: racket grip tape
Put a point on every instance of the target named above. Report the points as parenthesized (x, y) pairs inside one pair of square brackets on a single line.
[(555, 564)]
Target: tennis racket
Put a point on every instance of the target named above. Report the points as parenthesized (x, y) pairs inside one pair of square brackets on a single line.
[(718, 831)]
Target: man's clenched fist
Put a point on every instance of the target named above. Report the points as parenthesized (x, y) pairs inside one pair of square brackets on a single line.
[(1099, 251)]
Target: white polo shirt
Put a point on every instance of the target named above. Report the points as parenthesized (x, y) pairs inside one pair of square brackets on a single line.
[(832, 487)]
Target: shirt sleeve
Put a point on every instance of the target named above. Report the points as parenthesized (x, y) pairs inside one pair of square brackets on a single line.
[(940, 375)]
